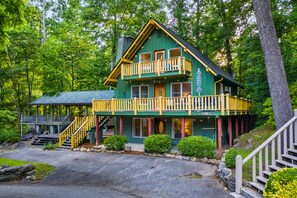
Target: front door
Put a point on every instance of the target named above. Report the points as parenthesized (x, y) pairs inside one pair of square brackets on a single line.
[(159, 55), (160, 61)]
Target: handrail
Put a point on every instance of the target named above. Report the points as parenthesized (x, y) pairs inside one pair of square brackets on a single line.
[(224, 103), (278, 144)]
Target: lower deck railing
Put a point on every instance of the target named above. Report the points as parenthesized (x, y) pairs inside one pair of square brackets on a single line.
[(223, 103)]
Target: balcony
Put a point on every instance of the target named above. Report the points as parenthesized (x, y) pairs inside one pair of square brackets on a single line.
[(178, 66), (174, 106)]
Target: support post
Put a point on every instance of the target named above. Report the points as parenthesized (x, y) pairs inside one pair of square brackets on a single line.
[(247, 125), (121, 126), (97, 130), (241, 122), (183, 127), (238, 174), (230, 131), (220, 136), (149, 126), (236, 127)]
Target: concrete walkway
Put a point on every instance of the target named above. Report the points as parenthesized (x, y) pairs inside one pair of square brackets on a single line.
[(116, 175)]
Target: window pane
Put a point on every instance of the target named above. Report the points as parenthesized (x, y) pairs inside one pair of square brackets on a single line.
[(186, 89), (174, 53), (188, 127), (175, 90), (135, 91), (136, 127), (144, 91), (176, 128), (145, 57), (144, 127)]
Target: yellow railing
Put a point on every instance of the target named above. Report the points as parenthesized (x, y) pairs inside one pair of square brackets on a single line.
[(70, 129), (223, 103), (180, 64), (81, 132)]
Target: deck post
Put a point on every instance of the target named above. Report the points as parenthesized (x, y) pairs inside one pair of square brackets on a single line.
[(183, 128), (121, 126), (220, 136), (149, 126), (241, 122), (97, 130), (246, 125), (230, 131), (236, 127)]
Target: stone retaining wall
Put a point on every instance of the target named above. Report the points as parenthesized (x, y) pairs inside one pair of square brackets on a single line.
[(25, 172)]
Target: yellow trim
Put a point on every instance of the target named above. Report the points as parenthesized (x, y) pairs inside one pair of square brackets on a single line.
[(112, 80), (215, 86), (126, 60)]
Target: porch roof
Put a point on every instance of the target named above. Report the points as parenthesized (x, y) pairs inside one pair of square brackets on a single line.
[(74, 98)]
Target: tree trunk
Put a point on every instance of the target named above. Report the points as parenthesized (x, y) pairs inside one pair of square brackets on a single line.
[(276, 75)]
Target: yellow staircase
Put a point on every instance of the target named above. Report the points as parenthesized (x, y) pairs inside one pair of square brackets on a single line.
[(73, 135)]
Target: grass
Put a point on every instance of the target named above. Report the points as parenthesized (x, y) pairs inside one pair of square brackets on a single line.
[(258, 136), (42, 170)]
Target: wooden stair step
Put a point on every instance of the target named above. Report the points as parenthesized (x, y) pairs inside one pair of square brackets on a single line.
[(261, 179), (290, 157), (276, 168), (292, 150), (267, 173), (249, 192), (257, 186), (287, 164)]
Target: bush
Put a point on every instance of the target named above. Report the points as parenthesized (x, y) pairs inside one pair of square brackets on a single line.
[(9, 136), (116, 142), (279, 180), (158, 143), (290, 190), (50, 146), (230, 158), (197, 146)]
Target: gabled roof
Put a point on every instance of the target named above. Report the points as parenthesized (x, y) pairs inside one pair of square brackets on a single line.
[(151, 25), (74, 98)]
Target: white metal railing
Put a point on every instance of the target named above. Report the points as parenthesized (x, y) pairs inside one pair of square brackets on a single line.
[(277, 144), (45, 119)]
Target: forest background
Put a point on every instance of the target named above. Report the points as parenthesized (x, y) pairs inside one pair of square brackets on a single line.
[(50, 46)]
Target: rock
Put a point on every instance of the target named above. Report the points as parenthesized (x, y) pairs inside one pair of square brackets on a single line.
[(2, 172), (27, 168), (236, 140), (159, 155), (179, 157), (193, 159), (213, 161), (30, 173), (250, 140), (10, 177), (248, 147), (205, 160), (4, 166), (154, 155), (30, 177), (168, 155), (146, 154), (83, 149), (227, 173), (11, 169), (186, 158), (88, 150)]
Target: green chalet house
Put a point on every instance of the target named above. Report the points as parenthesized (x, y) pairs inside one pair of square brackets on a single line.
[(164, 85)]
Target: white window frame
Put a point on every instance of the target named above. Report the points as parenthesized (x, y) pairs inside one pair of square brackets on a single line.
[(172, 127), (145, 53), (139, 89), (168, 52), (181, 89), (133, 127)]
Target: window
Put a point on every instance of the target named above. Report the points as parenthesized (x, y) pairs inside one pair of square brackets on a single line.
[(173, 53), (176, 127), (140, 91), (140, 127), (181, 89), (145, 57)]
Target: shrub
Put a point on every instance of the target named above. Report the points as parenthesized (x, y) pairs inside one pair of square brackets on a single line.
[(50, 146), (197, 146), (290, 190), (158, 143), (116, 142), (230, 157), (279, 180), (9, 136)]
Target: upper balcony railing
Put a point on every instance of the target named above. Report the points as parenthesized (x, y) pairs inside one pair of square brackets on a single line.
[(222, 104), (180, 65)]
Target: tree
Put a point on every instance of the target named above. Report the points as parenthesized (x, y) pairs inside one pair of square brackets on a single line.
[(275, 70)]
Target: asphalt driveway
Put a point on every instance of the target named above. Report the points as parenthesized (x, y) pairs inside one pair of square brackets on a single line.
[(81, 174)]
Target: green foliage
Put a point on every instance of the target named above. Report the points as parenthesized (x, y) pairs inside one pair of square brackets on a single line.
[(50, 146), (116, 142), (230, 158), (290, 190), (9, 136), (197, 146), (157, 143), (279, 180), (42, 170)]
